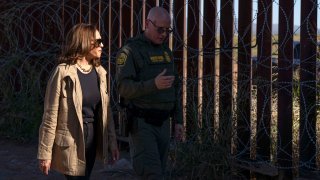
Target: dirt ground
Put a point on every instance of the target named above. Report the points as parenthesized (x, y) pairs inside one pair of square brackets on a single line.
[(18, 161)]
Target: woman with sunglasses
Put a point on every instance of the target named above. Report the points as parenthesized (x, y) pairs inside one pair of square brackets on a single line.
[(77, 123)]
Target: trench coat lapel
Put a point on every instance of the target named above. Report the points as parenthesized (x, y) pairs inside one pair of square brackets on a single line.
[(104, 99), (77, 92), (102, 86)]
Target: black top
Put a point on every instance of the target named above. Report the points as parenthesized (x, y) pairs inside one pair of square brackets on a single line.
[(91, 95)]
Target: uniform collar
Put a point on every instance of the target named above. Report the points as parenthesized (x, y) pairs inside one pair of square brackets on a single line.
[(144, 38)]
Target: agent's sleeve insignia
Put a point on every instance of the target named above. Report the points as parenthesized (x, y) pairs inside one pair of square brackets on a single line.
[(167, 57), (121, 59)]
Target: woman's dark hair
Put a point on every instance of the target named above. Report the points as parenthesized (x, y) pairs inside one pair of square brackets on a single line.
[(78, 44)]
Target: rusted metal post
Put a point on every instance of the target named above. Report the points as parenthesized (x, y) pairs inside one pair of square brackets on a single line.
[(209, 68), (225, 80), (114, 42), (136, 8), (200, 67), (308, 87), (85, 11), (264, 81), (192, 68), (244, 79), (125, 21), (70, 18), (179, 43), (95, 14), (285, 59)]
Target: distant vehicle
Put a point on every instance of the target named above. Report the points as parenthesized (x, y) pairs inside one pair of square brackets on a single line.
[(296, 53), (296, 56), (295, 64), (255, 61)]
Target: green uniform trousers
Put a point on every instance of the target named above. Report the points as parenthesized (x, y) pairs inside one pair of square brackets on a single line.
[(149, 146)]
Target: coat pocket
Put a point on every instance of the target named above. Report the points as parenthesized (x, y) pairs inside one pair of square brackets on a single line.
[(65, 153), (64, 141)]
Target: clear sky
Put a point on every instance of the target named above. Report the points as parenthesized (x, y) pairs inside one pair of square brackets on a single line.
[(297, 8), (275, 11)]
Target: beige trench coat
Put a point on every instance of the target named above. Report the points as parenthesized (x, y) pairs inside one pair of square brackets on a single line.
[(61, 136)]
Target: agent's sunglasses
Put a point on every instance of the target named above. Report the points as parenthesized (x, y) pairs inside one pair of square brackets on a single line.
[(161, 30), (97, 42)]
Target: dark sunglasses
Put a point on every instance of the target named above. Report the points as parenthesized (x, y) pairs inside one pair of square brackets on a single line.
[(98, 42), (161, 30)]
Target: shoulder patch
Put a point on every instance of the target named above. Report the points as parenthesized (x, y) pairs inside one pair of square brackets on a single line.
[(121, 59)]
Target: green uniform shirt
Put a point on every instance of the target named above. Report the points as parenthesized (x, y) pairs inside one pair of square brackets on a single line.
[(138, 63)]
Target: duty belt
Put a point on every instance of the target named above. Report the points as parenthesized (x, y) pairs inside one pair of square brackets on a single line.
[(152, 116)]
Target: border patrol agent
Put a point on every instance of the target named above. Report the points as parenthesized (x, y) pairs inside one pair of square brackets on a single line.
[(148, 83)]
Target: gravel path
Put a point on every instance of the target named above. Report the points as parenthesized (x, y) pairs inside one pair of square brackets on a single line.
[(18, 161)]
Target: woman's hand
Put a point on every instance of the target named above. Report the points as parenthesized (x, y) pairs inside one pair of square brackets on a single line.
[(44, 166)]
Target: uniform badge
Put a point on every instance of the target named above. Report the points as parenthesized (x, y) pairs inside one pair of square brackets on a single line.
[(121, 59), (156, 59), (167, 57)]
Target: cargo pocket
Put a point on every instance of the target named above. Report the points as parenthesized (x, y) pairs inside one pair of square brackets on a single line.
[(63, 140)]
